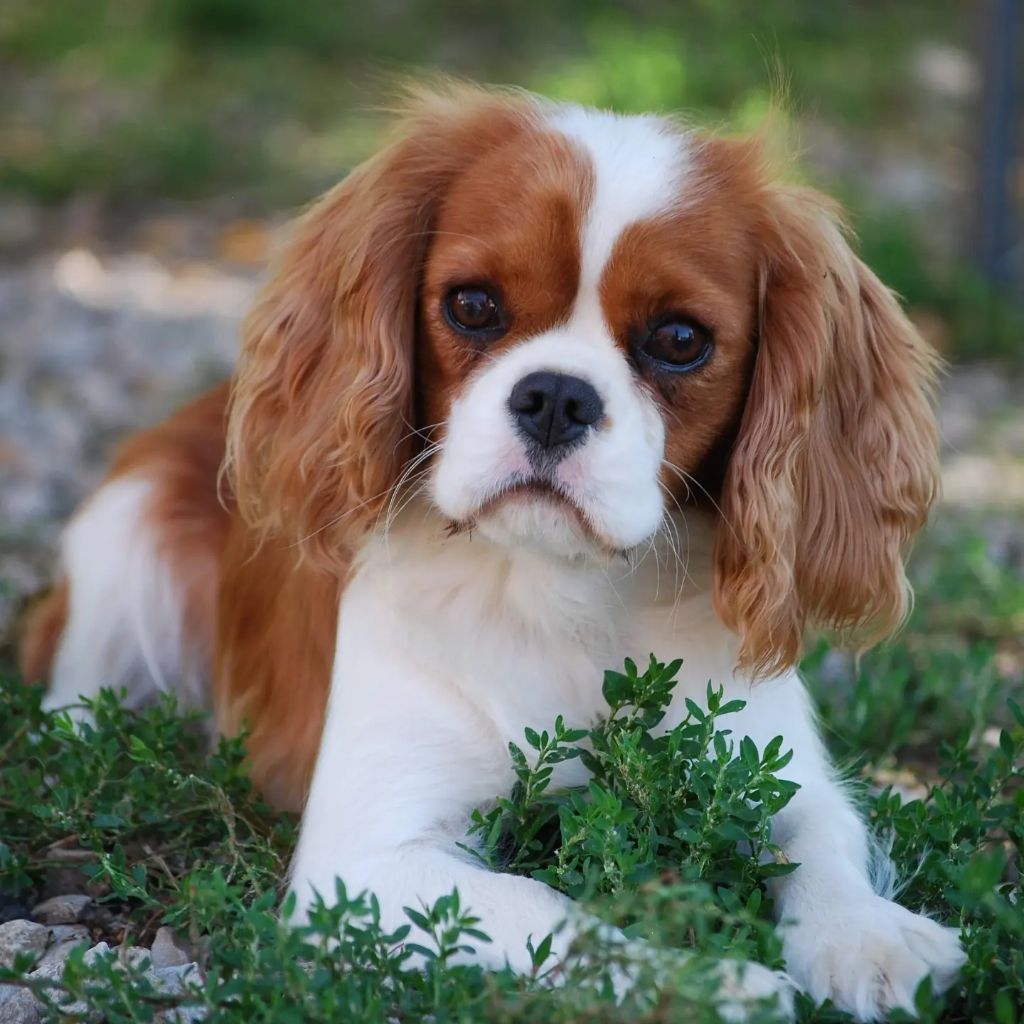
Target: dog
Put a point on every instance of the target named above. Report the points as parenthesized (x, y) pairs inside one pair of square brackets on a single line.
[(535, 388)]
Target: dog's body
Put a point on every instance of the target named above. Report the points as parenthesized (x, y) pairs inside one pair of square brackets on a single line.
[(535, 390)]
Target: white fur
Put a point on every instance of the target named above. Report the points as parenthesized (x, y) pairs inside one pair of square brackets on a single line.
[(482, 454), (449, 646), (638, 167), (125, 620)]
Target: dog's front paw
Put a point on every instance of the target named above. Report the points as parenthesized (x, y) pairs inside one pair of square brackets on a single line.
[(742, 989), (869, 958), (745, 986)]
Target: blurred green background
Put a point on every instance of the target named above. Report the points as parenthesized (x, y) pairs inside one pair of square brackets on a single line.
[(253, 106)]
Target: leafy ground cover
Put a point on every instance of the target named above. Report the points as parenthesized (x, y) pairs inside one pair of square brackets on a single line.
[(670, 840)]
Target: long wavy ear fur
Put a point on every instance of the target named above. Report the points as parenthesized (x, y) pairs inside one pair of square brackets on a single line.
[(320, 423), (835, 466)]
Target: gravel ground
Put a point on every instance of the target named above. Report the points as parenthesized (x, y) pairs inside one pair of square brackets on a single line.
[(60, 924), (98, 340)]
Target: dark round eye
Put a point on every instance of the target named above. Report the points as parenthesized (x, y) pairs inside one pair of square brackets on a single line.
[(677, 345), (473, 309)]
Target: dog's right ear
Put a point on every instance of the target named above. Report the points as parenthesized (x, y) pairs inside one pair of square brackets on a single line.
[(320, 422)]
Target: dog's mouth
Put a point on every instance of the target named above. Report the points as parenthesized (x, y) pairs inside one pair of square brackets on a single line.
[(536, 488), (538, 491)]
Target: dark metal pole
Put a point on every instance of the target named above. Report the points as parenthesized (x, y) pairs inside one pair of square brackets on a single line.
[(1001, 59)]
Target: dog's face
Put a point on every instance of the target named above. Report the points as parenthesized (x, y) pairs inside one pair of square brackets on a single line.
[(572, 323), (586, 332)]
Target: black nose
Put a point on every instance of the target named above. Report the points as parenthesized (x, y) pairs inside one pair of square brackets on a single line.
[(554, 409)]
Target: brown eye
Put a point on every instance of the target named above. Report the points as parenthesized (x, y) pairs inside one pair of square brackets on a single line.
[(677, 345), (472, 309)]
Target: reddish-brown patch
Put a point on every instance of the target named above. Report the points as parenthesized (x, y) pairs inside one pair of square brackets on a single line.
[(699, 261), (835, 462), (512, 221), (182, 457), (40, 632), (322, 406), (277, 617), (322, 410), (811, 424)]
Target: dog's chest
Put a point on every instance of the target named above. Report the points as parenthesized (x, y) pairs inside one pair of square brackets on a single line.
[(525, 640)]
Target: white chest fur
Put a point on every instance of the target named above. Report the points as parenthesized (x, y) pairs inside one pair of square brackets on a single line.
[(523, 637), (447, 648)]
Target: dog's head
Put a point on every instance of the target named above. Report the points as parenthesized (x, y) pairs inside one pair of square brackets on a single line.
[(573, 322)]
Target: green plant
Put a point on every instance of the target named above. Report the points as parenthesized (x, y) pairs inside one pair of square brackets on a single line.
[(668, 840), (683, 812)]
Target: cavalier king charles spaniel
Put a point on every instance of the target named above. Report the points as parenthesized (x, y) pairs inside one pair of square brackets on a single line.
[(497, 374)]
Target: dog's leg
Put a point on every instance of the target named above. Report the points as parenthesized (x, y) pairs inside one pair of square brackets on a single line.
[(125, 607), (405, 757), (403, 761), (842, 940)]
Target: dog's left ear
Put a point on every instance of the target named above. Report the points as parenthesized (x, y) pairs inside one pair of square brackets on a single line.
[(835, 466)]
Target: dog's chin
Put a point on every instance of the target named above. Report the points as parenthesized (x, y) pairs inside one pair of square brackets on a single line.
[(538, 518)]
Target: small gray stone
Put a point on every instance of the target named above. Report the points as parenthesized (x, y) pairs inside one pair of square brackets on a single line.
[(21, 937), (175, 979), (169, 950), (54, 972), (51, 971), (182, 1015), (69, 932), (61, 909), (91, 955), (19, 1006), (133, 956), (59, 952)]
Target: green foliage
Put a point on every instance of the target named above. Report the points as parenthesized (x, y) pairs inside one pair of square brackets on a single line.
[(266, 102), (668, 840), (682, 817), (138, 791), (962, 845), (184, 841), (187, 97), (948, 674)]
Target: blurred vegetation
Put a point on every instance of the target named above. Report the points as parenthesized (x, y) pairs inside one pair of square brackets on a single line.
[(268, 103)]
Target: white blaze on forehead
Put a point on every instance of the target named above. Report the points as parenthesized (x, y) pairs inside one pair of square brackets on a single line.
[(639, 166)]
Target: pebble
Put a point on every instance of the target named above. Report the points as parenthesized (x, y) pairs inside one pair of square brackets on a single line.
[(175, 980), (21, 937), (61, 909), (92, 955), (19, 1006), (59, 952), (54, 972), (68, 932), (169, 950), (133, 956)]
